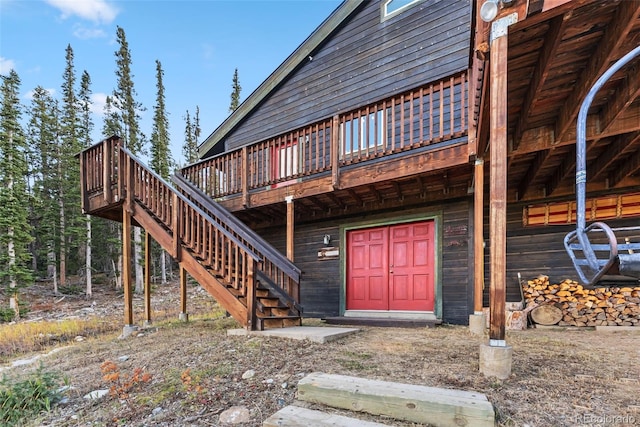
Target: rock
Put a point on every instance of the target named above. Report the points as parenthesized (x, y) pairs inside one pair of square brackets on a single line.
[(79, 338), (96, 394), (156, 411), (269, 381), (123, 358), (285, 385), (235, 415), (248, 374)]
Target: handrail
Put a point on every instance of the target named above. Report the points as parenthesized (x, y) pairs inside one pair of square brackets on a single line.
[(254, 241), (193, 206), (417, 118)]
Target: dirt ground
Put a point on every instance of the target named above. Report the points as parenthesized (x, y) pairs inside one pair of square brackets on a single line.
[(560, 377)]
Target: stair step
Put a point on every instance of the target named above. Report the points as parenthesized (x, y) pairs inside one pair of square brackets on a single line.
[(419, 404), (278, 322), (296, 416), (270, 301)]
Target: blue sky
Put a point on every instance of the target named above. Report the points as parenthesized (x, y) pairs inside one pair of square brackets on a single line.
[(198, 42)]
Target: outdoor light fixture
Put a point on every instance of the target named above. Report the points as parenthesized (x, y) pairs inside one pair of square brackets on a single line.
[(489, 10), (326, 239)]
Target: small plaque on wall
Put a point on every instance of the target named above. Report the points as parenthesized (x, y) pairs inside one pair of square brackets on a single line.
[(328, 253)]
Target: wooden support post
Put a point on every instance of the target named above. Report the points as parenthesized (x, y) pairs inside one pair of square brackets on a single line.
[(478, 236), (107, 158), (335, 152), (183, 295), (498, 181), (147, 279), (175, 226), (245, 177), (126, 265), (251, 295), (290, 227)]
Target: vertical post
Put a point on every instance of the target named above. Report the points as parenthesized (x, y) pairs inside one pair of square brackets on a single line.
[(245, 177), (107, 158), (290, 227), (335, 152), (183, 295), (147, 278), (126, 268), (251, 293), (175, 225), (495, 359), (477, 319), (84, 204)]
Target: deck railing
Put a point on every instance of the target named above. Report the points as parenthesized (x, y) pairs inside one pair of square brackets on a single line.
[(418, 118), (113, 175)]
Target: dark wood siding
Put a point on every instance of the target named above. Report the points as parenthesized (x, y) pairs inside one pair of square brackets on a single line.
[(364, 61), (322, 286), (535, 250)]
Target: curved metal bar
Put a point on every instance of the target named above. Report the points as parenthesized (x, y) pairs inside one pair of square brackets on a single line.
[(581, 137)]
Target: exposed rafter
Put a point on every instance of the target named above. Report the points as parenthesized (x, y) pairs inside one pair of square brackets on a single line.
[(541, 72), (630, 166), (625, 18), (375, 193), (355, 197), (536, 165), (336, 200), (626, 93), (622, 147)]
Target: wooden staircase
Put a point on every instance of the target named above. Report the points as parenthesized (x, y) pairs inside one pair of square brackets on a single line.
[(254, 282)]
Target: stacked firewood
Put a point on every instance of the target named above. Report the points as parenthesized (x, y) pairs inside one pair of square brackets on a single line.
[(611, 306)]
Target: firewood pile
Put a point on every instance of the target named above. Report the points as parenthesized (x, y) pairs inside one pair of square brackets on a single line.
[(569, 304)]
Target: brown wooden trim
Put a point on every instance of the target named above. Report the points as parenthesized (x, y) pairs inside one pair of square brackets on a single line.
[(498, 187), (478, 235), (290, 227), (250, 281), (245, 177)]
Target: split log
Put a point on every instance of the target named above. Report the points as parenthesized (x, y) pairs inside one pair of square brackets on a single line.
[(547, 314)]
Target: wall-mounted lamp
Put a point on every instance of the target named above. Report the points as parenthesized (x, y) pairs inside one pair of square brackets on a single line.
[(489, 9), (326, 239)]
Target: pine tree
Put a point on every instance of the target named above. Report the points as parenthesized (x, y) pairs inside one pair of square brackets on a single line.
[(190, 146), (160, 156), (86, 126), (42, 137), (15, 230), (124, 99), (235, 93), (72, 222)]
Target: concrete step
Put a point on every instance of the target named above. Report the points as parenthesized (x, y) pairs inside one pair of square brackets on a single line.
[(420, 404), (296, 416)]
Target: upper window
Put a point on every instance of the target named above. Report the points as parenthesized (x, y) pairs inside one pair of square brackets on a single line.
[(393, 7)]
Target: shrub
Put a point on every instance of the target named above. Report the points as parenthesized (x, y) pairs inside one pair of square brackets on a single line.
[(22, 399)]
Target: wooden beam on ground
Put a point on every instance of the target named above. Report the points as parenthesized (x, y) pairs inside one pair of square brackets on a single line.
[(498, 183), (290, 227), (147, 277), (624, 19), (478, 236)]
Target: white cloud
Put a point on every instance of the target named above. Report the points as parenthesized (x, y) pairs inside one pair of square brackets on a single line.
[(98, 101), (6, 65), (88, 33), (98, 11), (29, 95)]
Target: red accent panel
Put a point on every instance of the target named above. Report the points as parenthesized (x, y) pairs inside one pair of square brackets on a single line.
[(367, 267)]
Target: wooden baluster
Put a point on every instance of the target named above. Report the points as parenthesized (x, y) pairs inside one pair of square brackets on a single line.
[(441, 94), (335, 153), (431, 115), (245, 177), (463, 95), (402, 121), (452, 103), (421, 100)]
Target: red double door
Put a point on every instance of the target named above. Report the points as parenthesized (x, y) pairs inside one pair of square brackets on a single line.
[(391, 267)]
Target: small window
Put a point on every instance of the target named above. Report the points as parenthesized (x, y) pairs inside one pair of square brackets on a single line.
[(393, 7)]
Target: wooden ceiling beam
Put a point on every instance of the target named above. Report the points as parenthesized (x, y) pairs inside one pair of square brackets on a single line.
[(543, 138), (566, 167), (626, 93), (375, 193), (619, 148), (314, 201), (630, 166), (532, 172), (355, 197), (337, 201), (552, 40), (397, 189), (624, 19)]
